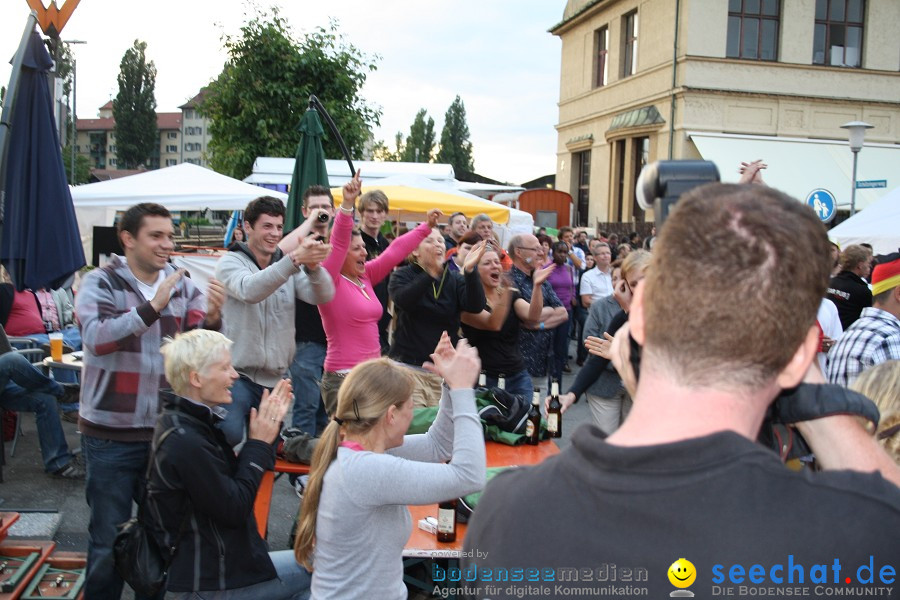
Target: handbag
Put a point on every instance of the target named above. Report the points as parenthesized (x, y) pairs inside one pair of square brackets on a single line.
[(139, 558)]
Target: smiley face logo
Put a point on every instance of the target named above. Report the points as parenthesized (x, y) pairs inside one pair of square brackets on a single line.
[(682, 573)]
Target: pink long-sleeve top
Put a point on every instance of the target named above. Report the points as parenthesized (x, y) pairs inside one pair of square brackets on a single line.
[(351, 319)]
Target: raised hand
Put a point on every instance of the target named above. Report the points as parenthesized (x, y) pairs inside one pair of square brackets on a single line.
[(541, 274), (433, 216), (265, 423), (459, 368), (310, 252), (164, 292), (474, 256), (351, 191)]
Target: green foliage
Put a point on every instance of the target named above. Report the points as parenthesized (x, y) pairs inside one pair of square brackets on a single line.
[(456, 149), (420, 142), (135, 108), (257, 101), (384, 154), (82, 166)]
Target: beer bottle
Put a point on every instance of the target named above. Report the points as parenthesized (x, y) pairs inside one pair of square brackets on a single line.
[(554, 412), (533, 424), (501, 382), (446, 529)]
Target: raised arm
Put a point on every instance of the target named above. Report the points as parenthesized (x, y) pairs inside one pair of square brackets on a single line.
[(251, 287)]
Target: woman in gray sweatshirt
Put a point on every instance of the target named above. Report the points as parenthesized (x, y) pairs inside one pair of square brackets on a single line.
[(366, 470)]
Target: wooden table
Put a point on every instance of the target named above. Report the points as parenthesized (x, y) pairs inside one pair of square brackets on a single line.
[(264, 493), (422, 544)]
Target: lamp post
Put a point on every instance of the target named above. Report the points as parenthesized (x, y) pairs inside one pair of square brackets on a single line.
[(73, 117), (857, 131)]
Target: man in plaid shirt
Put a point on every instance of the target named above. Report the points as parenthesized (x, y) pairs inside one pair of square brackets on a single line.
[(875, 337), (126, 309)]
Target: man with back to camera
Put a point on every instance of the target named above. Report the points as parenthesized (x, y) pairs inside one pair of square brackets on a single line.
[(457, 227), (126, 309), (848, 290), (683, 478), (262, 283)]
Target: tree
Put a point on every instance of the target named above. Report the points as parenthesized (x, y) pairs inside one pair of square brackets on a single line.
[(134, 108), (384, 154), (456, 149), (257, 101), (82, 166), (420, 142)]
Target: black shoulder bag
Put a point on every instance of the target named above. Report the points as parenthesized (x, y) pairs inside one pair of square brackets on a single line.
[(139, 559)]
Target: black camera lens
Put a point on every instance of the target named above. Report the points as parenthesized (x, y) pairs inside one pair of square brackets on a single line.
[(323, 217)]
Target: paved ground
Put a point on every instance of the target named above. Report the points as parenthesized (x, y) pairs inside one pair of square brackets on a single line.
[(56, 509)]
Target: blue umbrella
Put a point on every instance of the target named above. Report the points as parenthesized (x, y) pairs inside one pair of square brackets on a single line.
[(41, 245)]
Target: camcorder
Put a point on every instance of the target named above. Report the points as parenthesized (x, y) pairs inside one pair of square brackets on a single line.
[(662, 183)]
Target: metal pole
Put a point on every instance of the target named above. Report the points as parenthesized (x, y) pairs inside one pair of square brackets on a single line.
[(74, 128), (853, 189)]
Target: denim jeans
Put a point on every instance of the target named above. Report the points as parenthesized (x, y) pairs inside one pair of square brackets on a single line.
[(245, 394), (115, 481), (518, 383), (306, 373), (292, 583), (560, 348), (25, 389)]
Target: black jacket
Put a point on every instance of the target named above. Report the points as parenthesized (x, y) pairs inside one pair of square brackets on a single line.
[(198, 475), (421, 317), (850, 294)]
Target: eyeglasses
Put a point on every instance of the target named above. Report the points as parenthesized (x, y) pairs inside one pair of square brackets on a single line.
[(532, 249)]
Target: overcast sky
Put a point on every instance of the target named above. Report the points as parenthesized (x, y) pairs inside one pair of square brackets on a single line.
[(496, 54)]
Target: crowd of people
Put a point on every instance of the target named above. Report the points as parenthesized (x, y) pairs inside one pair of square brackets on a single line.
[(688, 337)]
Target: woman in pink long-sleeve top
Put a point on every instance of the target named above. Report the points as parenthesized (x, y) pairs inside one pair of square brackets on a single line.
[(351, 319)]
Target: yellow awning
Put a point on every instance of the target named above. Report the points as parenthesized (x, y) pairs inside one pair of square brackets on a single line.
[(412, 203)]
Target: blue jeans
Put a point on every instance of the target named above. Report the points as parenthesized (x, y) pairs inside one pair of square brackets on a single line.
[(292, 583), (560, 348), (306, 373), (25, 389), (245, 394), (115, 481), (518, 383)]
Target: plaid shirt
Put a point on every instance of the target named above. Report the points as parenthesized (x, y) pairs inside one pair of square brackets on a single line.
[(872, 339), (122, 333)]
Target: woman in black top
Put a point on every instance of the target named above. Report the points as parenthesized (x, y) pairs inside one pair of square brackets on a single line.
[(495, 330), (428, 298)]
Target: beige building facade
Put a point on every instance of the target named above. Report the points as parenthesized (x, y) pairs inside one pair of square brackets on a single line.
[(725, 80)]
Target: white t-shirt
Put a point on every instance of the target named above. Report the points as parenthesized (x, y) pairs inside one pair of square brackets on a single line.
[(148, 291), (596, 283), (830, 323)]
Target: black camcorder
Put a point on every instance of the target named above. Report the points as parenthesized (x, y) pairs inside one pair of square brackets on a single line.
[(662, 183)]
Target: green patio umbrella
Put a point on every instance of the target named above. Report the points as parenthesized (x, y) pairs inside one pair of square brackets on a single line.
[(309, 167)]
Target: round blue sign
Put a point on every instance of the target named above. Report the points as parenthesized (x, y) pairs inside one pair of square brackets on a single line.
[(823, 203)]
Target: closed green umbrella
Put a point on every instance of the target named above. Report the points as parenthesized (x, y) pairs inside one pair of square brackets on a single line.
[(309, 167)]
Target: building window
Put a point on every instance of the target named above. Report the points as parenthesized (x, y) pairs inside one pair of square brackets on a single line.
[(171, 162), (629, 41), (112, 148), (641, 157), (601, 56), (188, 114), (112, 162), (171, 148), (172, 135), (838, 35), (753, 29), (582, 160), (198, 130)]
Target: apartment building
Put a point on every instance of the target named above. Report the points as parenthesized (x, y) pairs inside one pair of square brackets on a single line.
[(183, 137), (725, 80)]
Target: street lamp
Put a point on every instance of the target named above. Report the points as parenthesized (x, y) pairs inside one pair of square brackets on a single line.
[(73, 117), (857, 131)]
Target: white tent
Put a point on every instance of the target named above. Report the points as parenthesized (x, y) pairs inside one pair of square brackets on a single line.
[(182, 187), (878, 224)]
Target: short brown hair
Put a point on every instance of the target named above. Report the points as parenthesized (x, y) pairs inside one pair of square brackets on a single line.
[(317, 190), (747, 263), (853, 255), (133, 218), (376, 197)]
